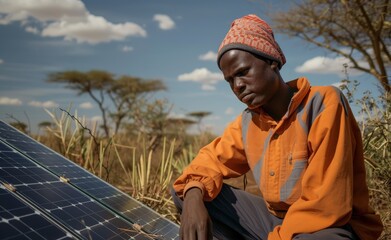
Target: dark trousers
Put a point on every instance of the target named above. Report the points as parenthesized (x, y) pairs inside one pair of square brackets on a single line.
[(237, 214)]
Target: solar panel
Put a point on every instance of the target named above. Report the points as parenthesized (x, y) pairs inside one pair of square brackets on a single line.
[(36, 172), (20, 221)]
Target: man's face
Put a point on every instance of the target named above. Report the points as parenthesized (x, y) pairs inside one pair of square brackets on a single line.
[(253, 80)]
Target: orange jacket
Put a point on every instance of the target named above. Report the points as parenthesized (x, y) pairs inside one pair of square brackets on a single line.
[(309, 166)]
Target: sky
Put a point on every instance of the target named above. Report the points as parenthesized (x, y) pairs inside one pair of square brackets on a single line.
[(175, 41)]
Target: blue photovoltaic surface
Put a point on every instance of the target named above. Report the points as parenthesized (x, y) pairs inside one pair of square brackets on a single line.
[(20, 221), (85, 182), (82, 215)]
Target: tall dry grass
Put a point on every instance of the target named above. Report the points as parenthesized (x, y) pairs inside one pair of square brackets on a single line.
[(375, 124), (376, 132), (124, 160)]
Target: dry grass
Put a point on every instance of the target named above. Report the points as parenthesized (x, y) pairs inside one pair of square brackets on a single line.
[(376, 132)]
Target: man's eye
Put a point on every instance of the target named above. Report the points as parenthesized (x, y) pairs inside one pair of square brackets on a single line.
[(242, 73)]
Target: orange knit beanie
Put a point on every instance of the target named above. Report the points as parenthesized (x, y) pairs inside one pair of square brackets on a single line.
[(254, 35)]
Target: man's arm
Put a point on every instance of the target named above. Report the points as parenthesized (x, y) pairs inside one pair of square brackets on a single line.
[(195, 221), (327, 185), (222, 158)]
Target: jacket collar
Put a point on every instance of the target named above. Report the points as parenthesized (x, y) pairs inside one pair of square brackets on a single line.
[(302, 86)]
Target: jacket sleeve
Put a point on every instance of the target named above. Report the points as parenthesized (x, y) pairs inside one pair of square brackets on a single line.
[(222, 158), (327, 184)]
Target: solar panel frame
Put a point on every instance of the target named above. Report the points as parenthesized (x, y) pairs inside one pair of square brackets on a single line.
[(121, 203)]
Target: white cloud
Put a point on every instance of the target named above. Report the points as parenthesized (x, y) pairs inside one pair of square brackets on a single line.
[(165, 22), (207, 78), (86, 105), (209, 56), (200, 75), (46, 104), (229, 111), (208, 87), (127, 49), (32, 30), (93, 29), (42, 10), (1, 61), (10, 101), (68, 19), (325, 65)]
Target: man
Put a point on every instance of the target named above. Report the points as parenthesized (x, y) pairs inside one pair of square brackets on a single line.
[(302, 144)]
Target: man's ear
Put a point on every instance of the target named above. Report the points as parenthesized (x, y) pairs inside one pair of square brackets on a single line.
[(274, 65)]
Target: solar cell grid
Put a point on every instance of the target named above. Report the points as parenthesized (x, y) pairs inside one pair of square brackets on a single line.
[(99, 190), (20, 221), (67, 205)]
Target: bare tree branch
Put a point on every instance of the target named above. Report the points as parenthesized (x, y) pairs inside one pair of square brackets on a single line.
[(361, 26)]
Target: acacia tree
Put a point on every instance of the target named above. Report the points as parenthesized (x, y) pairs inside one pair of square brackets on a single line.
[(359, 30), (199, 116), (104, 89), (95, 83), (127, 92)]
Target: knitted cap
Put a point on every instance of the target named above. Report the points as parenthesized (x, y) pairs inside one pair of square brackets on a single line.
[(252, 34)]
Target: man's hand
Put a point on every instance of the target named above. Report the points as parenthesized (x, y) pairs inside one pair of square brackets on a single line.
[(195, 221)]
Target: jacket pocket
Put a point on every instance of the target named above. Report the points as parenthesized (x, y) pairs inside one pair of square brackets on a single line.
[(291, 190)]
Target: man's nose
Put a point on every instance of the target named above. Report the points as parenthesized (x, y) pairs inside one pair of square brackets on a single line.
[(239, 86)]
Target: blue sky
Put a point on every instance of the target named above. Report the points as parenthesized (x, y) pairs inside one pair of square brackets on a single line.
[(172, 40)]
